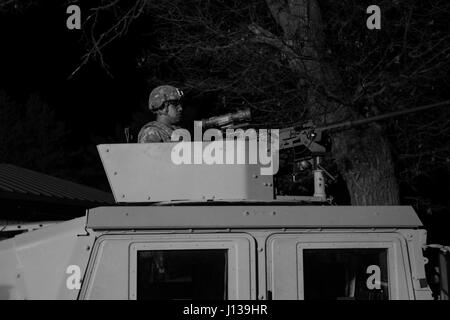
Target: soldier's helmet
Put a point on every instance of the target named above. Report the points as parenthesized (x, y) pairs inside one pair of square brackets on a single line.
[(161, 94)]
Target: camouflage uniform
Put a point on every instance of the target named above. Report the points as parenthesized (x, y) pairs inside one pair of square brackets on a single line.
[(156, 132)]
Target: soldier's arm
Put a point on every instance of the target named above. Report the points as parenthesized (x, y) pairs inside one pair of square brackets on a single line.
[(149, 135)]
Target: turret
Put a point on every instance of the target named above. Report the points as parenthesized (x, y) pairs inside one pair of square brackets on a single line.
[(152, 172)]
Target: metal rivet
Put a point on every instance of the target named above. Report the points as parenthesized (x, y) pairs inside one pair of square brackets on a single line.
[(247, 213), (274, 213), (88, 248), (123, 196), (261, 249), (107, 150), (255, 176)]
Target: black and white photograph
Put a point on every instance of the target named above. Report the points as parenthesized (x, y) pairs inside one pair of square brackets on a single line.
[(224, 154)]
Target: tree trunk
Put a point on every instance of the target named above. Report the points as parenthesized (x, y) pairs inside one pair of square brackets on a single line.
[(363, 154)]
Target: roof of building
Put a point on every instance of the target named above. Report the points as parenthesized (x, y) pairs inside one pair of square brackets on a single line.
[(24, 184)]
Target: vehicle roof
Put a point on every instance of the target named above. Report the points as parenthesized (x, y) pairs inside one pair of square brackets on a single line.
[(251, 216)]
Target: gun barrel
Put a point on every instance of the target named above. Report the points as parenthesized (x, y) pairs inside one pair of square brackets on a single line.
[(353, 123)]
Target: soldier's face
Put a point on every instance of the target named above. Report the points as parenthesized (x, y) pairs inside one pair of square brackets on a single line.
[(174, 112)]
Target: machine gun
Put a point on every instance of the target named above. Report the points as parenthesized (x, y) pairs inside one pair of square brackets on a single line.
[(305, 140), (309, 137)]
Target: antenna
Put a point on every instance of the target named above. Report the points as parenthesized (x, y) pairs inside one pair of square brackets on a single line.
[(127, 134)]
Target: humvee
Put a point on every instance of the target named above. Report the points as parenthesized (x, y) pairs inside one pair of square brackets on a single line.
[(215, 231)]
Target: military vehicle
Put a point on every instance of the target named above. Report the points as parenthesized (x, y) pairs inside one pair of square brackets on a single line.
[(219, 231)]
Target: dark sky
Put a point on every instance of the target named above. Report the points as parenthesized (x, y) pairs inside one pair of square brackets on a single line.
[(38, 54)]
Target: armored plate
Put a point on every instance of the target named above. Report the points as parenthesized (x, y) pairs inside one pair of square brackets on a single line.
[(252, 216), (148, 173)]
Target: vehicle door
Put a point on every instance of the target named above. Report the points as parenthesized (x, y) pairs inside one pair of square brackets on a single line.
[(172, 266), (338, 266)]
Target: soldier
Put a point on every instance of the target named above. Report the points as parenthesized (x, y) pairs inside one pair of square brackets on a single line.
[(165, 102)]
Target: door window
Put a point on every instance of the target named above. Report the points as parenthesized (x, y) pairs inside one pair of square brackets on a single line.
[(345, 274), (182, 274)]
